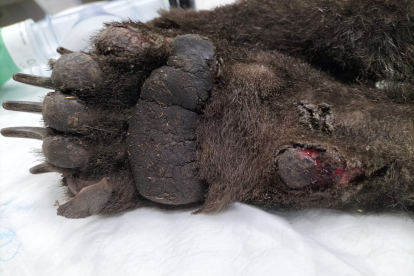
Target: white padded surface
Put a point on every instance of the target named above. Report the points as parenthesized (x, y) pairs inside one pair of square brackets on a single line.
[(243, 240)]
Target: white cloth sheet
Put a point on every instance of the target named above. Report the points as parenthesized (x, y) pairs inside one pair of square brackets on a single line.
[(243, 240)]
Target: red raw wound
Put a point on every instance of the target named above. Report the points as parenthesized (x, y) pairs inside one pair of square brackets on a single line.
[(303, 167)]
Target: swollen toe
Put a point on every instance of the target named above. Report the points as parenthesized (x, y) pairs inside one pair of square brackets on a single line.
[(76, 71), (68, 114), (123, 40)]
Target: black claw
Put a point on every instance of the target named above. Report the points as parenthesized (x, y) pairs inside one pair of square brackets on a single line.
[(47, 167), (23, 106), (44, 82), (42, 168), (25, 132), (63, 51)]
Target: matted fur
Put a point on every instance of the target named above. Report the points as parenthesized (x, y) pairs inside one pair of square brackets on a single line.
[(253, 114), (349, 38)]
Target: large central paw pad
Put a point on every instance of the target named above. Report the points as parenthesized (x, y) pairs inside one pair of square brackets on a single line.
[(161, 137), (115, 144)]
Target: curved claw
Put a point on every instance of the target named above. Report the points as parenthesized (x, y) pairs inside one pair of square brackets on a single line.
[(23, 106), (42, 168), (63, 51), (47, 167), (44, 82), (25, 132)]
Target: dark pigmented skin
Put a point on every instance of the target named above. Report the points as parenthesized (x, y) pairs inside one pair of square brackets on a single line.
[(175, 87), (65, 152), (121, 41), (67, 114), (294, 170), (161, 135), (76, 71), (161, 147), (70, 115), (187, 78), (128, 40), (301, 167)]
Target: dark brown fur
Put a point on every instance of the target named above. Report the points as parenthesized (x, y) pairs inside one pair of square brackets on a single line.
[(348, 38), (252, 110), (253, 115)]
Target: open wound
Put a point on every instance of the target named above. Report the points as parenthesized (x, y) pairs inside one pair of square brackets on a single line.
[(300, 167)]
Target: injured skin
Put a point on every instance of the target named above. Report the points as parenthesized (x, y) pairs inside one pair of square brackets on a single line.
[(204, 109), (302, 167)]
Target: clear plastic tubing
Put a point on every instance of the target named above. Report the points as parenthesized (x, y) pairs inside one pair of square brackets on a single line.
[(28, 43)]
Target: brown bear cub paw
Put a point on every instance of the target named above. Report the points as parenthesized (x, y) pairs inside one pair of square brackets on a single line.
[(121, 133)]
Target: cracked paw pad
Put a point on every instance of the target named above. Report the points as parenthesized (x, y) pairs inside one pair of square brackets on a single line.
[(161, 138)]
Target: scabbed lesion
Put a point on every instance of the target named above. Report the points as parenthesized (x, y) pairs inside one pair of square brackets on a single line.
[(317, 117)]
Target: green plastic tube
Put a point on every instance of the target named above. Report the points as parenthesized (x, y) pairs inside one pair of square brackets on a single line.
[(7, 66)]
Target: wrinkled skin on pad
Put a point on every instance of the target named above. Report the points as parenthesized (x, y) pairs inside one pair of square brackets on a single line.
[(202, 109)]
